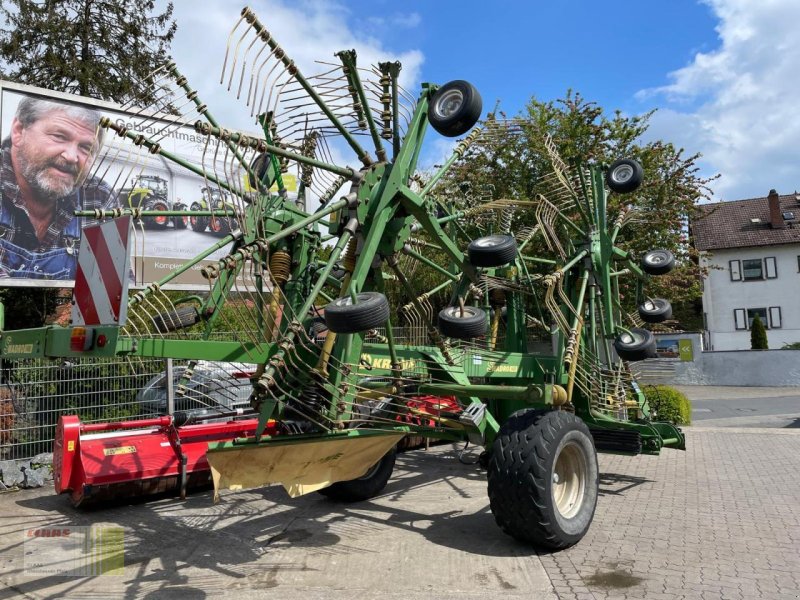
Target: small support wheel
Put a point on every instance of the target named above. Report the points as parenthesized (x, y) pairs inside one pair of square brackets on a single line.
[(492, 250), (181, 317), (455, 108), (543, 478), (655, 310), (262, 174), (658, 262), (371, 310), (636, 344), (470, 324), (624, 176), (365, 487)]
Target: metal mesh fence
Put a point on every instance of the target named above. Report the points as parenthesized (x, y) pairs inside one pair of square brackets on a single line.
[(35, 392)]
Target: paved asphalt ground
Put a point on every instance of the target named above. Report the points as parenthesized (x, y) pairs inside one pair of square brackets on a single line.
[(721, 520)]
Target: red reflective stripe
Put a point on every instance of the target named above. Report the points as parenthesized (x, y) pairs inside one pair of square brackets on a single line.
[(84, 300), (108, 271)]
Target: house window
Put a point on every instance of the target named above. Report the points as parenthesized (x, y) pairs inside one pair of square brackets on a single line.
[(775, 317), (762, 314), (752, 269)]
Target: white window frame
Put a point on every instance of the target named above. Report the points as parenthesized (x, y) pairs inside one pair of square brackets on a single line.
[(735, 267), (770, 268), (774, 317), (740, 319)]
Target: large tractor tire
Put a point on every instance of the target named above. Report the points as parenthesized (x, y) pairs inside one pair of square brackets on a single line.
[(199, 224), (365, 487), (158, 222), (543, 478)]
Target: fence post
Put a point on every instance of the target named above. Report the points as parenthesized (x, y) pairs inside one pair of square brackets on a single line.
[(170, 387)]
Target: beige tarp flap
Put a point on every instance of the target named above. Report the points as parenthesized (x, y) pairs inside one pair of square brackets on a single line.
[(301, 467)]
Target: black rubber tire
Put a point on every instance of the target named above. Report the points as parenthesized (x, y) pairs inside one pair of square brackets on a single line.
[(219, 226), (492, 250), (657, 262), (522, 492), (183, 316), (639, 344), (368, 486), (655, 310), (260, 166), (157, 222), (199, 224), (471, 325), (450, 119), (372, 310), (624, 176), (180, 222)]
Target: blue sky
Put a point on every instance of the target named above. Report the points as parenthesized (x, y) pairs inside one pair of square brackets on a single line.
[(723, 74)]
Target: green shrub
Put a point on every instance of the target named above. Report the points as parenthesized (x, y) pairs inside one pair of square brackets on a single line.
[(758, 335), (792, 346), (668, 404)]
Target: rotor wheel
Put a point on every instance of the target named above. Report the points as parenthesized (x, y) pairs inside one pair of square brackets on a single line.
[(365, 487), (464, 325), (371, 310), (543, 478), (492, 250), (657, 262), (180, 318), (635, 344), (624, 176), (455, 108), (655, 310)]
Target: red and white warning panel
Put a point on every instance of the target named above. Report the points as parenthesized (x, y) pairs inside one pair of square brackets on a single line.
[(101, 282)]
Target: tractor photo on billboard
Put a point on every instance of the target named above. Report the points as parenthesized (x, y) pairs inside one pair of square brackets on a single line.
[(386, 308), (150, 193), (217, 201)]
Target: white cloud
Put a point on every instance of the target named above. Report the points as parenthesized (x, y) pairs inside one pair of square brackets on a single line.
[(308, 31), (738, 104)]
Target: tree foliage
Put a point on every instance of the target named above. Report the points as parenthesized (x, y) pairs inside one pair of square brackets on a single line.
[(510, 163), (103, 49), (758, 335)]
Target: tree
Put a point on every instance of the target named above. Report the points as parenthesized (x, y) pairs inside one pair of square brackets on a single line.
[(102, 49), (509, 160), (98, 48), (758, 335)]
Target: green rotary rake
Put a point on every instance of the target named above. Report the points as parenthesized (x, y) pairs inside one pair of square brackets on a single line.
[(517, 343)]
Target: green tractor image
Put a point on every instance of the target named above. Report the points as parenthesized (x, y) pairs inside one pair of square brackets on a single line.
[(213, 199), (149, 192)]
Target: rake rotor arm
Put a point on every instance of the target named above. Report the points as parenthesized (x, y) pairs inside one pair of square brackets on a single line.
[(259, 28)]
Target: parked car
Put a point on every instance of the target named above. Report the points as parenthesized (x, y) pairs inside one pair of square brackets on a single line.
[(213, 386)]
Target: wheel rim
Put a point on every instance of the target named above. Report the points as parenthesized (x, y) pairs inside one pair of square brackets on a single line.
[(161, 220), (489, 241), (622, 173), (448, 104), (657, 258), (569, 480), (455, 312)]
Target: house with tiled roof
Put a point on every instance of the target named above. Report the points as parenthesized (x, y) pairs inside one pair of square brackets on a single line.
[(752, 250)]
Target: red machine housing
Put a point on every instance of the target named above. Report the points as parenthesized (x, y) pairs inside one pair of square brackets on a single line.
[(111, 461)]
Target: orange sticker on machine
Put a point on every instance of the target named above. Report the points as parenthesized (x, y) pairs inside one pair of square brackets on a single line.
[(71, 446), (119, 450)]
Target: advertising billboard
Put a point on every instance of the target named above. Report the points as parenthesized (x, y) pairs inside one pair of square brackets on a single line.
[(54, 160)]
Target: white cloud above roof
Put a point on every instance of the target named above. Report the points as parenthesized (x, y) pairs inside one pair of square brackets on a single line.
[(738, 104)]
